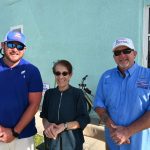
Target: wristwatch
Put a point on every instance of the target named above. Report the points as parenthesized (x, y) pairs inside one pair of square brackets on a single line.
[(66, 126), (14, 133)]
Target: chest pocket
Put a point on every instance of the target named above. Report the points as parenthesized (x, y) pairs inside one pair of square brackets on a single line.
[(110, 94)]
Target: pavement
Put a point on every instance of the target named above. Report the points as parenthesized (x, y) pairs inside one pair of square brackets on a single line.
[(93, 134)]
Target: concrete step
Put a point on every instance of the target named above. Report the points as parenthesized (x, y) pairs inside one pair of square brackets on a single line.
[(94, 137)]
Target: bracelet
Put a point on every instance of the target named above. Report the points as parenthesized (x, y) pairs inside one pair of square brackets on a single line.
[(66, 126), (14, 133)]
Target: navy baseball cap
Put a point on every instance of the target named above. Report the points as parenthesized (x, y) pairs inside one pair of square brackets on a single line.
[(15, 36)]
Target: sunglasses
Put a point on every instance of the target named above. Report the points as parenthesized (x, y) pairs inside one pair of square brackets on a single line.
[(12, 45), (57, 73), (125, 51)]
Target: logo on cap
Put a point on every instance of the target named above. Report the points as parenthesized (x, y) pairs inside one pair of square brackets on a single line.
[(121, 41), (18, 35)]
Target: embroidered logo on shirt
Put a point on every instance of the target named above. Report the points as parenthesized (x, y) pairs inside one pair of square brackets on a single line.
[(143, 84), (23, 73)]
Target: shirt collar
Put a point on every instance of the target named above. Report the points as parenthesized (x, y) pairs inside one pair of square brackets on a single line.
[(3, 63), (130, 71)]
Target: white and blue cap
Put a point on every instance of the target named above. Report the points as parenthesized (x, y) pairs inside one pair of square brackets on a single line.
[(123, 42), (15, 36)]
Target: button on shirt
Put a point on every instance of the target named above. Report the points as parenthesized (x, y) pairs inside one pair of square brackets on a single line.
[(126, 99)]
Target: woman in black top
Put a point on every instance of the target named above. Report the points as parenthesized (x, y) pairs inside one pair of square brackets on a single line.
[(64, 112)]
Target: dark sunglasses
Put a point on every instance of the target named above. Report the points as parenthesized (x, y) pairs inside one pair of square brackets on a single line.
[(57, 73), (12, 45), (125, 51)]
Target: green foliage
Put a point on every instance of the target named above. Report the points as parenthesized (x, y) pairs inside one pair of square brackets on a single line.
[(38, 139)]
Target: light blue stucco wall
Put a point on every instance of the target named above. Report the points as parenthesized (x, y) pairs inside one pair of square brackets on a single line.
[(81, 31), (147, 2)]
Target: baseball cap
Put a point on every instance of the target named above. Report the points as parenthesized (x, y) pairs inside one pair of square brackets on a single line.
[(15, 36), (123, 42)]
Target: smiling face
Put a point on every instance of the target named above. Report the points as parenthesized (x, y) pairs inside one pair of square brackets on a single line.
[(62, 77), (12, 56), (124, 61)]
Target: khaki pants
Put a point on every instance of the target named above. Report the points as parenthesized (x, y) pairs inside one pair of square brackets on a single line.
[(18, 144)]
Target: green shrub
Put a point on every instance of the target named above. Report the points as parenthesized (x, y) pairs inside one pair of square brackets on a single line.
[(38, 139)]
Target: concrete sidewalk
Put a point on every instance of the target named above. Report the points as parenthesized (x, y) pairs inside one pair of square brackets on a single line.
[(93, 134)]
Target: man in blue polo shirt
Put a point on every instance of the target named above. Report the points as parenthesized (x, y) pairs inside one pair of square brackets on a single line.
[(122, 100), (20, 95)]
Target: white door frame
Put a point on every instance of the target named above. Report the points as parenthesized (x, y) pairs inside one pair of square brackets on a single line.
[(146, 35)]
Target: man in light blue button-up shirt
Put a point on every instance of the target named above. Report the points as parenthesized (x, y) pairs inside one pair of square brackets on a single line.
[(122, 100)]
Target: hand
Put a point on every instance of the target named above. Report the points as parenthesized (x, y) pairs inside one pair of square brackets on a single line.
[(53, 130), (6, 135), (61, 128), (50, 131), (120, 134)]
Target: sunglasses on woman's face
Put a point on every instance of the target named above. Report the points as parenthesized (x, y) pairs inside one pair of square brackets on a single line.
[(12, 45), (125, 51), (57, 73)]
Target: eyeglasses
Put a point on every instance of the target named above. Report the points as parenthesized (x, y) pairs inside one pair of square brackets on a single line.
[(57, 73), (125, 51), (12, 45)]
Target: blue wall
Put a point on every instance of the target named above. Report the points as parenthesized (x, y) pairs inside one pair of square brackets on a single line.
[(147, 2), (81, 31)]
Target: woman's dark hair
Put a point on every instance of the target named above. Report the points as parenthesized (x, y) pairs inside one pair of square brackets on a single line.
[(64, 63)]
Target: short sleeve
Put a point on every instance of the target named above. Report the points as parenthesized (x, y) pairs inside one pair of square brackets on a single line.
[(82, 114), (35, 80)]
